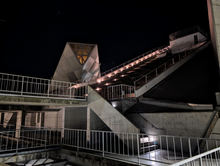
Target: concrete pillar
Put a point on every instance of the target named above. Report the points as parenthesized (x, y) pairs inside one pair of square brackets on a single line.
[(88, 124), (7, 118), (18, 123), (2, 117), (214, 24), (38, 119)]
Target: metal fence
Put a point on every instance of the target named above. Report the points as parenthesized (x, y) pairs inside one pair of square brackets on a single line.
[(16, 85), (211, 157), (120, 91), (13, 141), (152, 74), (160, 148)]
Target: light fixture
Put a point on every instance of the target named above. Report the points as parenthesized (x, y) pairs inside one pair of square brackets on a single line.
[(99, 81), (97, 89)]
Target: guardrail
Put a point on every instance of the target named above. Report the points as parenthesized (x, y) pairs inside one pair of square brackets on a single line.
[(134, 59), (211, 157), (16, 85), (152, 74), (152, 147), (160, 148), (13, 141), (120, 91)]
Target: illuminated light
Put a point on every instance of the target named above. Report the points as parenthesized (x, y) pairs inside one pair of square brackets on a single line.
[(113, 105), (115, 79), (106, 84), (109, 76), (132, 64), (151, 139), (115, 72), (102, 79), (97, 89), (99, 81), (126, 66), (141, 59), (121, 70), (137, 62), (122, 75)]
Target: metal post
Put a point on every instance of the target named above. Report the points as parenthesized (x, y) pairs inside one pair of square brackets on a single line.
[(17, 144), (77, 140), (70, 90), (190, 152), (45, 139), (22, 84), (103, 143), (138, 150)]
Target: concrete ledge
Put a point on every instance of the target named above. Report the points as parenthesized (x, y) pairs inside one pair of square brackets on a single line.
[(13, 100), (28, 156)]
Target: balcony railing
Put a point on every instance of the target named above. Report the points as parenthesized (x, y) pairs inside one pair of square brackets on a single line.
[(16, 85)]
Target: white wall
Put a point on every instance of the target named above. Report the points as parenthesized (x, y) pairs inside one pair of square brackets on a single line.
[(183, 43)]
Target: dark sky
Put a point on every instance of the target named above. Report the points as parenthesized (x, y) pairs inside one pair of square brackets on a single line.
[(35, 32)]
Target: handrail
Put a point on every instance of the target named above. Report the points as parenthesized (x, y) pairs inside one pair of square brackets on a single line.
[(131, 60), (168, 61), (196, 157)]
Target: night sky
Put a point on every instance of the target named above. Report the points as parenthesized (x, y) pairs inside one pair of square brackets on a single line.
[(35, 32)]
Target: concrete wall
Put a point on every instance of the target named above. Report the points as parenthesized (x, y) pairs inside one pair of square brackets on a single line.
[(53, 119), (183, 43), (108, 114), (192, 124), (96, 123), (75, 117)]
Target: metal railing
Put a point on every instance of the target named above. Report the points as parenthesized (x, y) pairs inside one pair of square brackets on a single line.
[(211, 157), (7, 127), (135, 146), (154, 52), (155, 72), (13, 141), (16, 85), (120, 91), (159, 148), (187, 31)]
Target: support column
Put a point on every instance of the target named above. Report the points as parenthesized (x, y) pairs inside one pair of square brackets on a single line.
[(18, 123), (88, 125)]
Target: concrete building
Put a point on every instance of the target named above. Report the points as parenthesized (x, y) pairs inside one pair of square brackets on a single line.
[(166, 96)]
